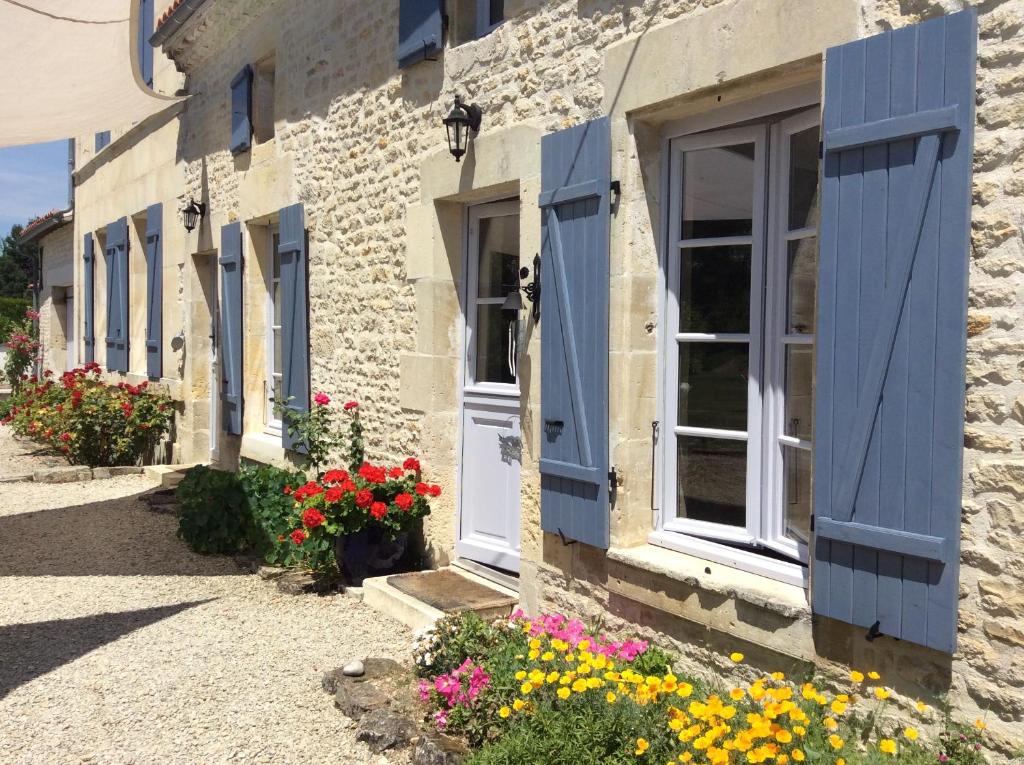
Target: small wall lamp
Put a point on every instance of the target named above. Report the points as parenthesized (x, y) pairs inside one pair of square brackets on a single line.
[(514, 301), (462, 119), (193, 213)]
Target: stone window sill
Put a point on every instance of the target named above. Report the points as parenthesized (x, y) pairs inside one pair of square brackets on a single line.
[(264, 448), (786, 600)]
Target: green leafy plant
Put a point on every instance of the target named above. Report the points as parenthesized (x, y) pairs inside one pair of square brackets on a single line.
[(12, 313), (214, 512), (88, 421), (22, 340), (271, 511)]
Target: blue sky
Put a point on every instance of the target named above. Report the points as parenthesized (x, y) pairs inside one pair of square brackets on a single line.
[(33, 181)]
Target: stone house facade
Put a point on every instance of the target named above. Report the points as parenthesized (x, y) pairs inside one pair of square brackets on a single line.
[(55, 295), (661, 158)]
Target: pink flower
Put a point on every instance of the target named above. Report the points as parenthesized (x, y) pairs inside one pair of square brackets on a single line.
[(349, 405), (424, 689), (446, 685), (441, 719), (321, 399)]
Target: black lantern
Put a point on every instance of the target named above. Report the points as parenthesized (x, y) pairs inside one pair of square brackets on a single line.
[(514, 301), (462, 119), (193, 213)]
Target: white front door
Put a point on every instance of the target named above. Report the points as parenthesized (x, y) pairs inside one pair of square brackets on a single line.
[(491, 439)]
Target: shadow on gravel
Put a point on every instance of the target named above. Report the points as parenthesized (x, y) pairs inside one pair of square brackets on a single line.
[(112, 537), (31, 650)]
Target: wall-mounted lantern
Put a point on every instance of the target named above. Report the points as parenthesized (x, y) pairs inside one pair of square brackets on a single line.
[(462, 119), (193, 213)]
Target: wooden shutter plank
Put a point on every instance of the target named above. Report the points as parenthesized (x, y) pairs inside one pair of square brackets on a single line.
[(241, 111), (88, 305), (294, 317), (154, 291), (231, 264), (884, 131), (420, 29)]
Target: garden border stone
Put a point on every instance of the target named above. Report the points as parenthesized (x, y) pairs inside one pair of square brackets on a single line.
[(73, 473)]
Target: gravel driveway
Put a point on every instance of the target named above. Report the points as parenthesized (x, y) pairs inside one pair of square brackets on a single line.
[(118, 645)]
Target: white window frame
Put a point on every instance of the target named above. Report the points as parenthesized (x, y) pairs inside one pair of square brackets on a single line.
[(765, 477), (483, 24), (274, 424), (476, 214)]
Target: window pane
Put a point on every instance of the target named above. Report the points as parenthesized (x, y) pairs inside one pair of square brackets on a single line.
[(797, 464), (799, 391), (714, 289), (499, 256), (712, 480), (277, 352), (802, 278), (497, 11), (495, 337), (276, 287), (278, 394), (275, 256), (713, 385), (718, 192), (803, 179)]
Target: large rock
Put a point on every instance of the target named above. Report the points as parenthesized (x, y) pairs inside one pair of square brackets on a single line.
[(438, 749), (62, 475), (382, 729), (356, 699)]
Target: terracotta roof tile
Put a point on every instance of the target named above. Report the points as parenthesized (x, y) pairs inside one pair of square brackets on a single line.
[(167, 13), (40, 221)]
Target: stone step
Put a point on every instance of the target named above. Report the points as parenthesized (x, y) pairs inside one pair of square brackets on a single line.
[(168, 476), (421, 598)]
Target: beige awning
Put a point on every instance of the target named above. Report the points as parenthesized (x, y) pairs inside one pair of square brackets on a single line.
[(70, 68)]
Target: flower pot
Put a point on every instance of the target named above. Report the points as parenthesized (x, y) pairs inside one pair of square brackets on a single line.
[(368, 553)]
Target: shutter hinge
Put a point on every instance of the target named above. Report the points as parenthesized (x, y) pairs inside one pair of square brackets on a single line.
[(616, 189), (821, 150), (613, 483), (565, 540), (812, 521), (874, 632)]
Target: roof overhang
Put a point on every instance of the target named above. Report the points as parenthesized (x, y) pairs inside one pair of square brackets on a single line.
[(47, 224), (72, 69)]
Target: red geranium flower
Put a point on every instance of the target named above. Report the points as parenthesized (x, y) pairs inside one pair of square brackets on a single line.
[(349, 405), (298, 536), (287, 489), (127, 408), (364, 497), (396, 472), (373, 474), (434, 491), (422, 488), (412, 464), (333, 494), (348, 486), (311, 518), (335, 476), (322, 399), (65, 436), (404, 500), (378, 510)]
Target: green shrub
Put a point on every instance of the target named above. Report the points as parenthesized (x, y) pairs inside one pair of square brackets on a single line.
[(226, 512), (214, 513), (12, 311)]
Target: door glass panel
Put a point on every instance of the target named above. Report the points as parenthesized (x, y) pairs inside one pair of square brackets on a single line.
[(803, 179), (797, 467), (714, 289), (801, 287), (799, 391), (499, 256), (712, 480), (277, 351), (718, 192), (713, 385), (496, 332)]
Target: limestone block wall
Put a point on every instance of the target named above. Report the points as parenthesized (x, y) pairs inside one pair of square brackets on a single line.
[(56, 282), (362, 146)]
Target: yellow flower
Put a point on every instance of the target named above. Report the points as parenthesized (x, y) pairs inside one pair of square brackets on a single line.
[(887, 745), (736, 694), (911, 734), (838, 707), (504, 712), (610, 697), (642, 745), (533, 654), (881, 693), (841, 761), (830, 723), (521, 675), (836, 741), (843, 697), (552, 677), (921, 706), (518, 705), (980, 724), (535, 643), (782, 759), (778, 676), (873, 675), (684, 690), (857, 677), (800, 730), (783, 736), (525, 688), (798, 755), (564, 692), (736, 657), (579, 686), (685, 757), (547, 656)]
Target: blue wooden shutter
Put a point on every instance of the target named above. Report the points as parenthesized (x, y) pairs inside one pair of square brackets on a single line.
[(231, 326), (294, 317), (574, 202), (889, 401), (117, 296), (102, 139), (420, 27), (241, 111), (88, 305), (144, 47), (154, 290)]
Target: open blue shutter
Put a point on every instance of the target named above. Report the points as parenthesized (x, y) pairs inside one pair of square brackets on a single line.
[(88, 305), (154, 290), (117, 296), (294, 317), (420, 27), (144, 47), (241, 111), (889, 400), (575, 214), (230, 260)]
